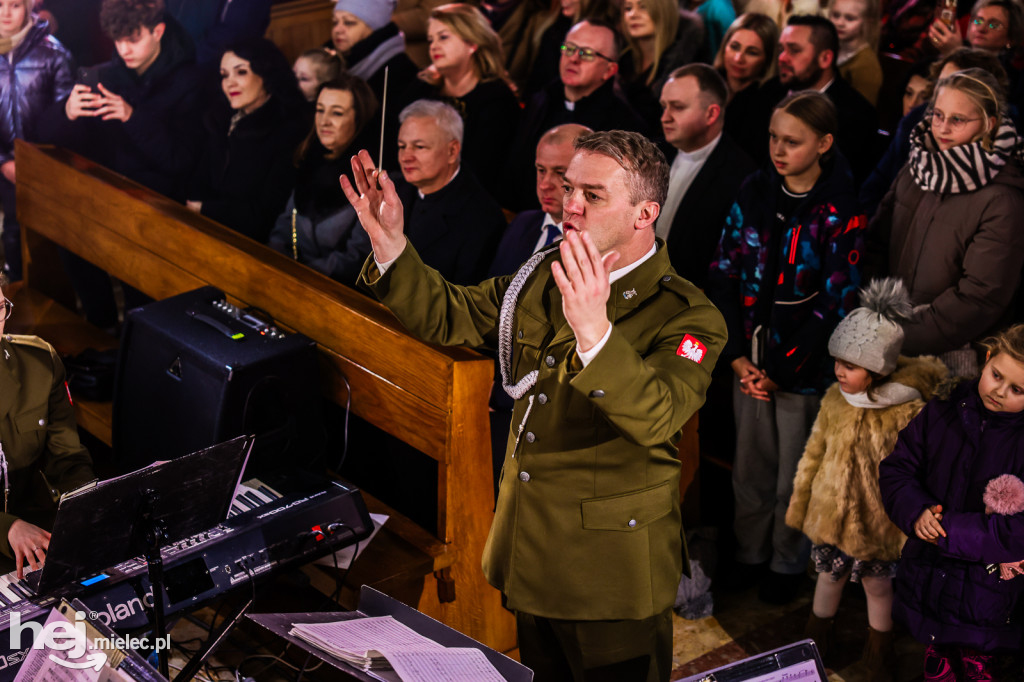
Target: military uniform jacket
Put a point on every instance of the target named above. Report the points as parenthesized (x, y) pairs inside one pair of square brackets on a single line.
[(37, 432), (587, 524)]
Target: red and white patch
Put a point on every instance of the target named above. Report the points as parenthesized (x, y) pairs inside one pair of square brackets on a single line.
[(692, 349)]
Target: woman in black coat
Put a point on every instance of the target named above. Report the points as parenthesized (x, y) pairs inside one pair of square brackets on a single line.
[(246, 172)]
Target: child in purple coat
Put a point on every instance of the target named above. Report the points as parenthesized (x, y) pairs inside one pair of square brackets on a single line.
[(932, 487)]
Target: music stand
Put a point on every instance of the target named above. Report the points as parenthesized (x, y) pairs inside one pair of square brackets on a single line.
[(139, 513)]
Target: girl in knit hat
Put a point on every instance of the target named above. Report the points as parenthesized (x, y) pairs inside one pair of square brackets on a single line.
[(836, 500)]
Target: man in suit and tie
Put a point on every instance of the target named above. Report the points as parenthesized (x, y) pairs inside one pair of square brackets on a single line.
[(706, 172), (530, 231)]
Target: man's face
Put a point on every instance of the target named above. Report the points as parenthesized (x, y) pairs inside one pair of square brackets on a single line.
[(800, 63), (426, 157), (684, 114), (596, 201), (140, 49), (583, 77), (552, 161)]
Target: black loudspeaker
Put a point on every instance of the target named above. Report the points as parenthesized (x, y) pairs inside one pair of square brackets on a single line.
[(194, 370)]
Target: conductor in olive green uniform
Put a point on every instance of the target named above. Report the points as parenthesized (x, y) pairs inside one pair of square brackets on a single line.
[(40, 454), (607, 352)]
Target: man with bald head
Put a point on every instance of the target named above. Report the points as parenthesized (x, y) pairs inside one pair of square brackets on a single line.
[(584, 93)]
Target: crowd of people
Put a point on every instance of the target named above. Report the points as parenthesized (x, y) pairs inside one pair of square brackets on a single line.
[(858, 266)]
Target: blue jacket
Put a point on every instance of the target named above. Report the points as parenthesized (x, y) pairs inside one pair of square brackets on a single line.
[(817, 270), (37, 74), (947, 455)]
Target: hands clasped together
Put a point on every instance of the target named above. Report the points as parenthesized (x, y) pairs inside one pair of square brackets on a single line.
[(104, 105)]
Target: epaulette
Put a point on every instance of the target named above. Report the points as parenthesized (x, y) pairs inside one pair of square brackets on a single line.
[(28, 340), (683, 288)]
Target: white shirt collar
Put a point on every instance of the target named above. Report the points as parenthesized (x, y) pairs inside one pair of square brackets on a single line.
[(700, 155), (622, 272)]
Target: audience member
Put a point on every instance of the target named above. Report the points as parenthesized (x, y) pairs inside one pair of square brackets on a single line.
[(917, 87), (216, 24), (746, 60), (450, 218), (808, 48), (547, 63), (36, 72), (521, 36), (884, 176), (857, 25), (530, 232), (950, 225), (784, 274), (367, 39), (718, 16), (245, 172), (468, 72), (706, 171), (315, 67), (836, 502), (318, 226), (936, 488), (137, 115), (410, 16), (660, 37), (584, 93)]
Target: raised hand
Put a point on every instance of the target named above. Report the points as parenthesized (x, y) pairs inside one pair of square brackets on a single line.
[(582, 277), (379, 210)]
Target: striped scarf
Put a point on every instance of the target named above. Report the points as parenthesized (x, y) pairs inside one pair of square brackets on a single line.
[(963, 168)]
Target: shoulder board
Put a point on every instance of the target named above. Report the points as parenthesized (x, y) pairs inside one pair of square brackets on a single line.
[(28, 340), (683, 288)]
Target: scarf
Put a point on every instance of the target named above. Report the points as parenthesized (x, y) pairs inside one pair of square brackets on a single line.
[(8, 45), (381, 55), (963, 168), (887, 395)]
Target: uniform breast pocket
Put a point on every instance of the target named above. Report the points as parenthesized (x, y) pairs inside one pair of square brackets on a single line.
[(32, 421)]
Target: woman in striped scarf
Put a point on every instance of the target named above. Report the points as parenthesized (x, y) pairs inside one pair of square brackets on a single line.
[(950, 225)]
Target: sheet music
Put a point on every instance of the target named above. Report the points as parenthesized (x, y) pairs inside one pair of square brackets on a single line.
[(47, 664), (362, 637), (804, 671), (444, 665)]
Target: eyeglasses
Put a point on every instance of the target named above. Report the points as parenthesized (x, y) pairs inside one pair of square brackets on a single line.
[(8, 309), (586, 54), (993, 24), (955, 122)]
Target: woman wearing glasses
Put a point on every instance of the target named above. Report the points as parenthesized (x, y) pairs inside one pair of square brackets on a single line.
[(949, 227), (468, 72), (993, 25), (40, 454)]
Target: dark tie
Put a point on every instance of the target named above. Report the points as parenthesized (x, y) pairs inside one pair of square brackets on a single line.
[(551, 236)]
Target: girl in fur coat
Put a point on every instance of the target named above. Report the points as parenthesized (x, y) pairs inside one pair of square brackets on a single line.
[(836, 501)]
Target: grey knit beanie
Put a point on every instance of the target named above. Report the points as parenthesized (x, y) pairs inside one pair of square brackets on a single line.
[(871, 336), (375, 13)]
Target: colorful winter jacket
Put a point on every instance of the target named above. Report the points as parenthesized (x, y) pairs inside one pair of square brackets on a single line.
[(817, 272)]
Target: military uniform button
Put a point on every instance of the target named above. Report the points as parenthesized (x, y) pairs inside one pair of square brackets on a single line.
[(597, 393), (519, 334), (530, 437), (666, 278), (542, 399), (550, 361), (632, 523), (523, 476), (42, 422)]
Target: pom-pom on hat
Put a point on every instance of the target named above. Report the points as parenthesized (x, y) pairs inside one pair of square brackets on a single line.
[(871, 336), (375, 13), (1004, 495)]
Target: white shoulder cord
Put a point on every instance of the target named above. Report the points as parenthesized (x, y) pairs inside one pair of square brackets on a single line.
[(508, 307), (7, 479)]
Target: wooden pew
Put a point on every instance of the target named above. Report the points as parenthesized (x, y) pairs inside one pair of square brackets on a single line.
[(434, 399)]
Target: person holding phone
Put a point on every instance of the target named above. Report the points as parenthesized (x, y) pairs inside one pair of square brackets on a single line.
[(36, 72)]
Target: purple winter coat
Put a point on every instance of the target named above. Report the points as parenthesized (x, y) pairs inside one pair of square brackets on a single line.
[(947, 455), (34, 76)]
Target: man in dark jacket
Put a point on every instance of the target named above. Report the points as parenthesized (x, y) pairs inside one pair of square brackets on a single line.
[(138, 115), (808, 48), (706, 173), (585, 93), (452, 221)]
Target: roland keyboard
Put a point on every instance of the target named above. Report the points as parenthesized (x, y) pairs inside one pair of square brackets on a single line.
[(269, 528)]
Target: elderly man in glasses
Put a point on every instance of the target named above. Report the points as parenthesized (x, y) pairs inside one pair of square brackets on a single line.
[(584, 93), (40, 454)]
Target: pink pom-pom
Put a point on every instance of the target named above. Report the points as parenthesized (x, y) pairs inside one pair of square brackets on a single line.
[(1004, 495)]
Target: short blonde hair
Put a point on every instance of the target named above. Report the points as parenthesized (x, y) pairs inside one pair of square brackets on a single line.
[(872, 27)]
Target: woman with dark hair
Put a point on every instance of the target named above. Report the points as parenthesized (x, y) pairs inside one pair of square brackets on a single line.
[(318, 226), (785, 273), (660, 37), (746, 60), (468, 71), (245, 173)]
